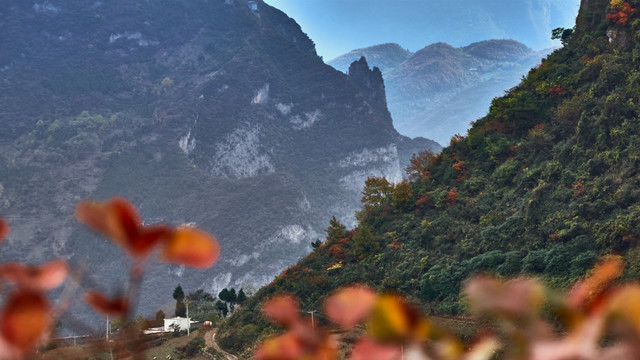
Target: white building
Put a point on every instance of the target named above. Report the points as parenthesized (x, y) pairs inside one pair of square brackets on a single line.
[(177, 322)]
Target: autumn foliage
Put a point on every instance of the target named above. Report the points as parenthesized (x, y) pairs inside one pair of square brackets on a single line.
[(620, 12), (452, 197), (420, 164), (459, 167), (557, 90), (27, 314), (119, 221)]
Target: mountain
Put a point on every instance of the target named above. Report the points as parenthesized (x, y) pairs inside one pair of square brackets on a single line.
[(217, 112), (384, 56), (339, 26), (437, 91), (544, 185)]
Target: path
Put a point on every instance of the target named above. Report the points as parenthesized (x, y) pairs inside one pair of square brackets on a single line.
[(210, 341)]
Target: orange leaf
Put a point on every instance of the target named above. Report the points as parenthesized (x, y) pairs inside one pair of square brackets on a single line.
[(45, 277), (350, 305), (25, 318), (282, 309), (94, 215), (147, 238), (368, 349), (99, 302), (4, 229), (283, 347), (623, 305), (393, 319), (191, 247), (302, 342), (588, 292)]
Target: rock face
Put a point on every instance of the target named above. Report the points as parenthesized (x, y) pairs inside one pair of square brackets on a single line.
[(370, 82), (214, 112), (437, 91)]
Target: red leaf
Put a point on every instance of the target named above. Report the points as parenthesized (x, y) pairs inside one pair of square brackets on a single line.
[(25, 318), (126, 221), (45, 277), (4, 229), (147, 238), (350, 305), (282, 309), (99, 302), (191, 247), (118, 220)]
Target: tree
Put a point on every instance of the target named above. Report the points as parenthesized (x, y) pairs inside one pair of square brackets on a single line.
[(620, 12), (160, 316), (452, 197), (364, 242), (561, 34), (233, 297), (200, 296), (181, 309), (178, 293), (336, 230), (402, 195), (420, 164), (241, 297), (224, 295), (222, 308), (314, 244), (377, 190)]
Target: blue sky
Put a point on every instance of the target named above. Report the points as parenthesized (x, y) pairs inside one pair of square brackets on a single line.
[(339, 26)]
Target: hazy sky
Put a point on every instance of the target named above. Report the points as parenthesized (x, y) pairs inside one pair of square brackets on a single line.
[(339, 26)]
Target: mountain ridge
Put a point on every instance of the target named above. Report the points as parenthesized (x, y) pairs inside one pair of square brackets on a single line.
[(437, 91), (544, 185)]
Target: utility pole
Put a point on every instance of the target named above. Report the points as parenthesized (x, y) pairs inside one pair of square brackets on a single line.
[(107, 336), (186, 302), (313, 324)]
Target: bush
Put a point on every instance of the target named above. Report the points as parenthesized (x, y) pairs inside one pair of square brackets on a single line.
[(193, 347), (534, 262)]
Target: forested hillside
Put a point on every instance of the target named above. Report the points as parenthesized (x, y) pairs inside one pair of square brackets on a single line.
[(545, 184)]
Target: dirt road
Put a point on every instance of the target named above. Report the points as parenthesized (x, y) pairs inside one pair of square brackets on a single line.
[(210, 341)]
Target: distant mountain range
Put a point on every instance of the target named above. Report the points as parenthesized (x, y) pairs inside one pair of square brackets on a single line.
[(215, 112), (438, 91), (338, 26)]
